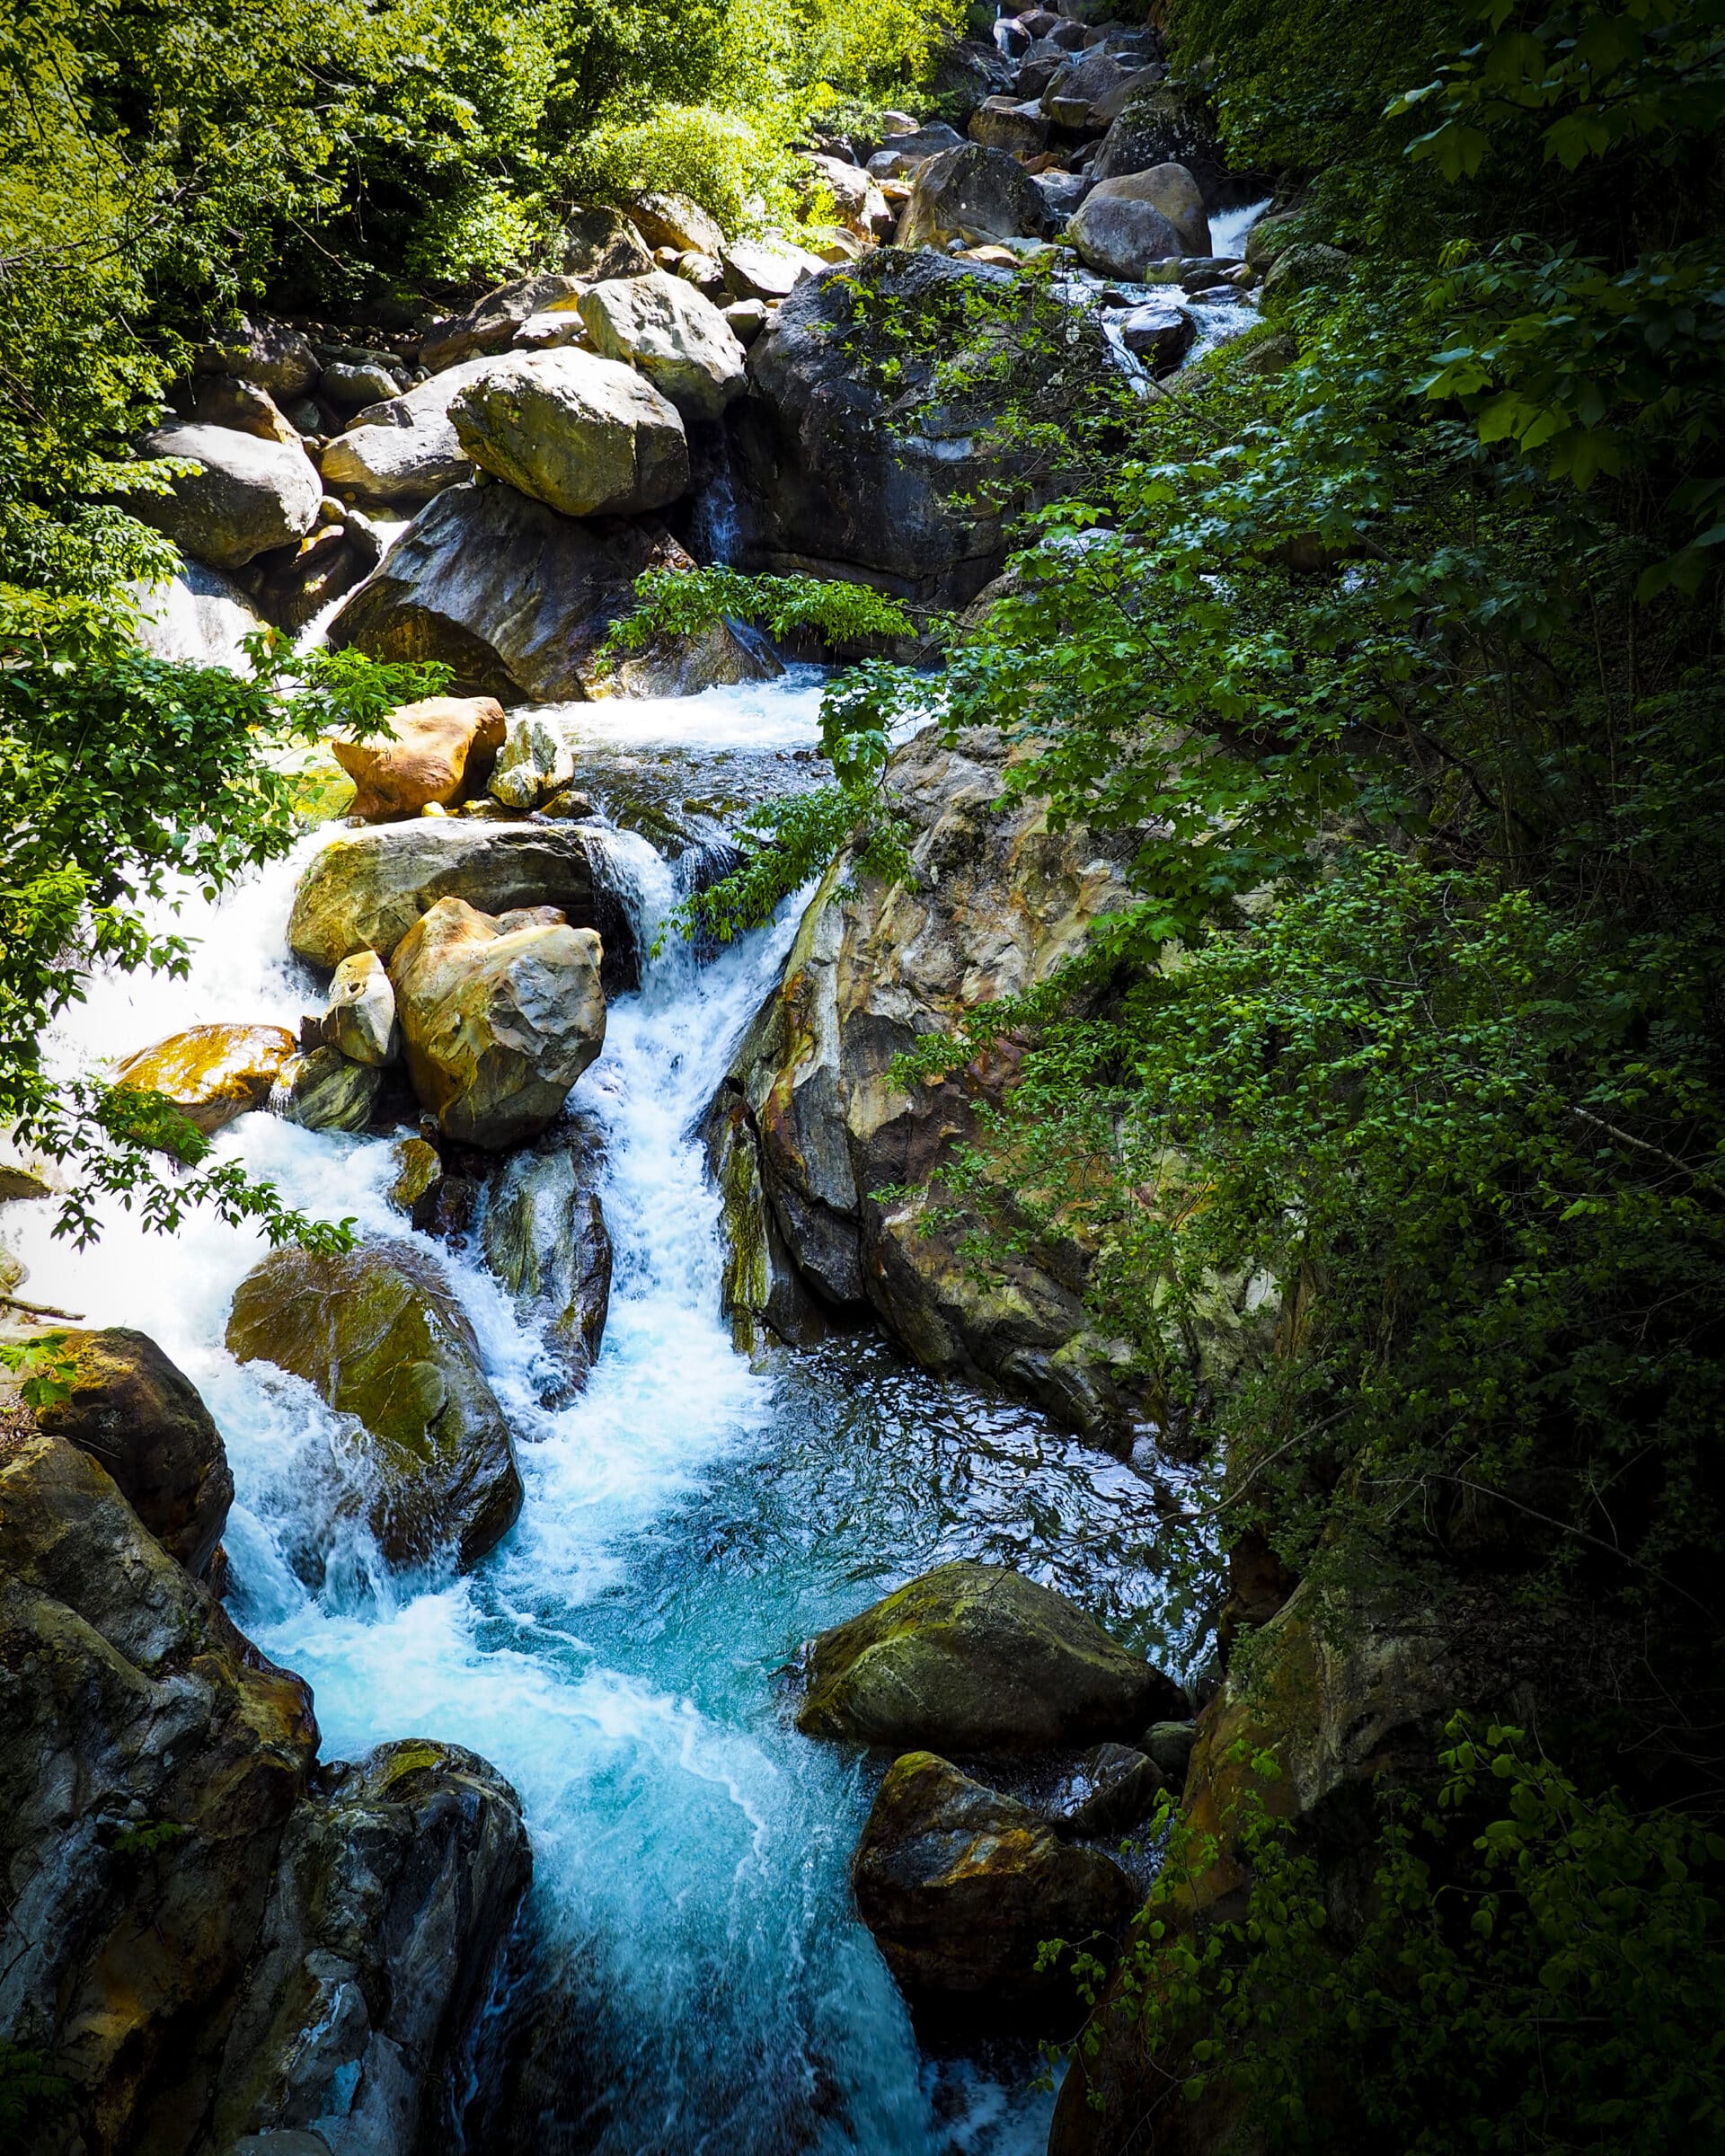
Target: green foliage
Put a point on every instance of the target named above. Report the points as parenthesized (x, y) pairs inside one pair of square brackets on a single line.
[(688, 602), (30, 2093), (1534, 1969), (43, 1367), (147, 1836)]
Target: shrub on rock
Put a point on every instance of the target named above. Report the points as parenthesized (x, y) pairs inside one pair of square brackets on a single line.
[(977, 1659), (378, 1332), (499, 1017)]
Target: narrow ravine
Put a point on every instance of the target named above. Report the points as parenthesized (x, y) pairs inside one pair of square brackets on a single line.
[(690, 1973)]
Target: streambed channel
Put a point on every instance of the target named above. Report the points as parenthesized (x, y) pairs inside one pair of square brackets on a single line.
[(690, 1974)]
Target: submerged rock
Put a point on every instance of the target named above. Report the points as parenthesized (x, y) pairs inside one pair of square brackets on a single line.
[(363, 892), (517, 600), (378, 1332), (152, 1759), (211, 1074), (500, 1015), (247, 496), (439, 750), (395, 1888), (543, 1232), (141, 1418), (583, 434), (961, 1885), (977, 1659)]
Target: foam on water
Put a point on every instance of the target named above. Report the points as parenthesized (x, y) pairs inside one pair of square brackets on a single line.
[(687, 1521)]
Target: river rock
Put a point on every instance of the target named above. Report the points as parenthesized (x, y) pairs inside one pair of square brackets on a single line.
[(1103, 1794), (1306, 266), (834, 477), (518, 601), (198, 617), (403, 451), (999, 902), (861, 206), (600, 243), (490, 325), (534, 763), (678, 340), (276, 359), (1170, 1745), (141, 1418), (377, 1330), (1002, 123), (670, 220), (394, 1892), (365, 891), (977, 1659), (972, 193), (903, 154), (359, 1018), (1171, 189), (767, 270), (582, 435), (1073, 95), (211, 1074), (246, 496), (1164, 123), (323, 1089), (439, 750), (1120, 238), (965, 72), (151, 1762), (542, 1229), (348, 385), (219, 401), (961, 1887), (1161, 333), (499, 1017), (293, 584)]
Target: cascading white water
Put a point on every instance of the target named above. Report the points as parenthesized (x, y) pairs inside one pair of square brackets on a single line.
[(700, 1982)]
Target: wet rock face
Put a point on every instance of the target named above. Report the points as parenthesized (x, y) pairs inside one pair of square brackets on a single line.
[(365, 892), (499, 1016), (152, 1759), (518, 600), (248, 495), (585, 436), (379, 1333), (998, 903), (394, 1890), (543, 1233), (140, 1418), (960, 1886), (825, 481), (975, 1658), (211, 1074)]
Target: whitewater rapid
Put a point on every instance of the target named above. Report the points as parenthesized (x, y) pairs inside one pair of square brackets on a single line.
[(691, 1975)]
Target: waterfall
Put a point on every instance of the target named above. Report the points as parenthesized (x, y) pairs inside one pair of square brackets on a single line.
[(693, 1976)]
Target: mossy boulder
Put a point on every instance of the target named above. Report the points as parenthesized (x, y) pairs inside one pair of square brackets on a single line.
[(211, 1074), (140, 1416), (960, 1886), (977, 1659), (379, 1333)]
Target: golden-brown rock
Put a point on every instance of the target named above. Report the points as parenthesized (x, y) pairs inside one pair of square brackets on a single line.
[(442, 751), (211, 1074)]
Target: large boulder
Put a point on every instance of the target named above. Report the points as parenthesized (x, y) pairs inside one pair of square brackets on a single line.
[(1118, 236), (767, 270), (364, 891), (246, 496), (836, 477), (996, 902), (151, 1762), (977, 1659), (678, 339), (499, 1017), (903, 155), (1170, 189), (674, 221), (490, 324), (439, 750), (322, 1089), (378, 1332), (198, 617), (142, 1418), (394, 1892), (972, 194), (403, 451), (582, 434), (278, 359), (543, 1233), (600, 243), (1091, 78), (857, 203), (211, 1074), (518, 601), (1003, 123), (1165, 123), (961, 1885)]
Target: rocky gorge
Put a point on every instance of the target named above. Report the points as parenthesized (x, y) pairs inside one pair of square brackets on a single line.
[(661, 1595)]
